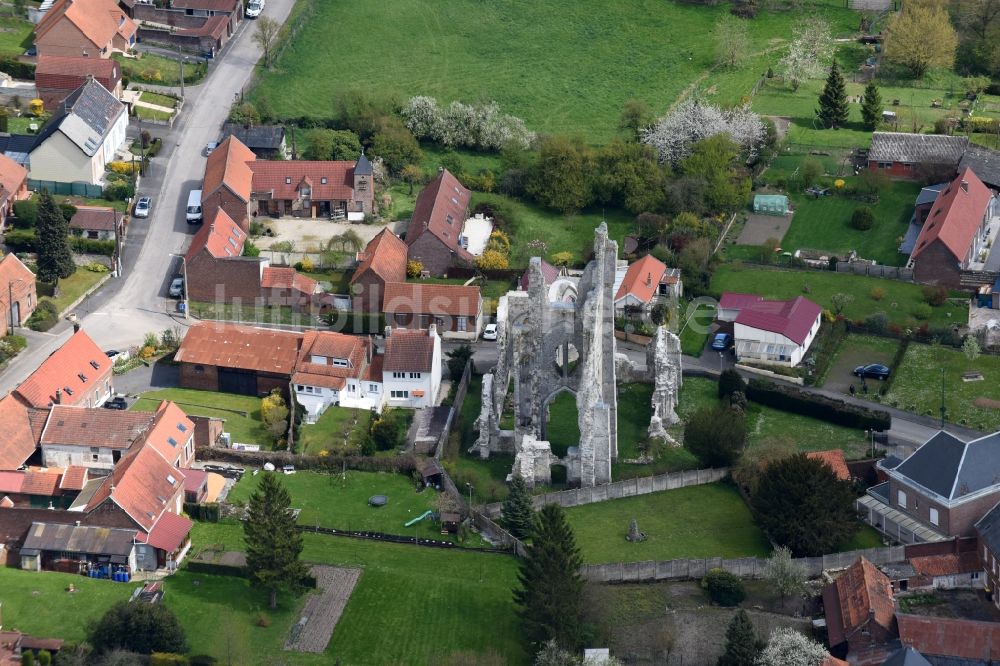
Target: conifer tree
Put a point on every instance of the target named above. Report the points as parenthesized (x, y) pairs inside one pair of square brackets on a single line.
[(871, 106), (55, 259), (518, 511), (550, 597), (272, 540), (742, 643), (833, 107)]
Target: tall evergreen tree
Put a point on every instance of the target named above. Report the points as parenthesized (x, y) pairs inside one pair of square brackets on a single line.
[(272, 540), (871, 106), (55, 259), (518, 511), (742, 643), (833, 107), (550, 598)]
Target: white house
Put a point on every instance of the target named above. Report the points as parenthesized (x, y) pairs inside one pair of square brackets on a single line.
[(775, 332), (642, 283), (411, 369), (86, 130), (337, 369)]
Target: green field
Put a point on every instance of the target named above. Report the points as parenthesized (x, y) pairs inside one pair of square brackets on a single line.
[(241, 412), (918, 384), (562, 66), (337, 428), (16, 35), (563, 429), (699, 521), (899, 302)]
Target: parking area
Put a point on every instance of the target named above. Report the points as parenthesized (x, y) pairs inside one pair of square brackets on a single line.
[(858, 350)]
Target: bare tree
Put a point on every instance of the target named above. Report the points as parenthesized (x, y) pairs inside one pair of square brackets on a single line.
[(979, 16), (732, 42), (266, 37)]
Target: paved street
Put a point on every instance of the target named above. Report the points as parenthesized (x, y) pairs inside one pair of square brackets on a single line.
[(127, 308)]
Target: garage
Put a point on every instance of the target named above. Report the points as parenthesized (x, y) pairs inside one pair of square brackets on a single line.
[(243, 382)]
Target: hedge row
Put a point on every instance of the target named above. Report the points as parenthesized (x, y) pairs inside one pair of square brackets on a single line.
[(25, 240), (209, 513), (215, 569), (17, 69), (816, 406)]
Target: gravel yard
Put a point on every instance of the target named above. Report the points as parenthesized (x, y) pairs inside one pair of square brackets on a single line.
[(323, 609)]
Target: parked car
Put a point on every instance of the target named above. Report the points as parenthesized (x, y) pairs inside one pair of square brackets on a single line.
[(873, 370), (31, 52), (176, 287), (722, 341), (117, 402), (210, 147), (142, 207), (490, 332), (288, 469), (254, 8)]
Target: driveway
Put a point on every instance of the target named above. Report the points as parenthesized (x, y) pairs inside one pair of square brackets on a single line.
[(127, 308)]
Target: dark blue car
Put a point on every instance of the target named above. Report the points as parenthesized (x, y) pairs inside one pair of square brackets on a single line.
[(873, 370), (722, 341)]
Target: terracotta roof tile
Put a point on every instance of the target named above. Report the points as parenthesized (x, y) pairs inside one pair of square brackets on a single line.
[(408, 351), (211, 5), (98, 20), (642, 280), (141, 485), (214, 26), (948, 637), (18, 442), (385, 256), (69, 425), (441, 209), (329, 180), (242, 347), (41, 483), (946, 565), (956, 216), (68, 74), (6, 503), (11, 482), (15, 276), (95, 218), (836, 461), (373, 373), (308, 378), (227, 166), (62, 369), (220, 235), (329, 345), (169, 432), (74, 478), (431, 299), (287, 278), (169, 532), (860, 590), (12, 176)]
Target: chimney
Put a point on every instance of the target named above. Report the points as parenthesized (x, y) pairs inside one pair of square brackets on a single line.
[(58, 396), (965, 185), (78, 523), (76, 327), (649, 279)]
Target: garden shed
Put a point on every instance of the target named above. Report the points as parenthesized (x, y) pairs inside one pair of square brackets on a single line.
[(770, 204)]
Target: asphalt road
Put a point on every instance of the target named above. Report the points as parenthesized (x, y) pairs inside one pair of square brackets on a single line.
[(122, 312)]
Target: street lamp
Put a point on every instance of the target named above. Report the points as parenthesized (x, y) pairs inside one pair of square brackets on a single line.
[(184, 271), (10, 304), (469, 486)]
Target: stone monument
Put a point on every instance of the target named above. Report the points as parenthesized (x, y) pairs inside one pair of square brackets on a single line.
[(663, 363)]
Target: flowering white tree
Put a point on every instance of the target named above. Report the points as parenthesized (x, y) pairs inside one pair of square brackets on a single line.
[(675, 133), (480, 126), (809, 54), (422, 116), (787, 647)]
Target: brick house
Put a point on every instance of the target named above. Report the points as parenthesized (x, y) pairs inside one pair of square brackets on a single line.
[(382, 261), (34, 487), (456, 311), (941, 490), (17, 293), (97, 223), (281, 285), (84, 28), (199, 25), (916, 156), (950, 641), (21, 428), (58, 76), (91, 438), (13, 186), (309, 188), (953, 237), (988, 550), (78, 373), (860, 610), (228, 182), (434, 234)]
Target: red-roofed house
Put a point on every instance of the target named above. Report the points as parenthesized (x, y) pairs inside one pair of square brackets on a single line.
[(92, 438), (36, 488), (19, 441), (644, 282), (947, 571), (456, 310), (84, 28), (228, 181), (57, 76), (977, 642), (307, 188), (860, 611), (953, 237), (281, 285), (775, 332), (412, 367), (834, 459), (78, 373), (434, 235), (17, 293), (13, 186), (97, 223), (382, 261), (335, 369)]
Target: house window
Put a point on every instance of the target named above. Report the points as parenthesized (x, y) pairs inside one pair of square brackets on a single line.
[(399, 375), (975, 575), (373, 388), (934, 516), (288, 180), (362, 185), (414, 375), (463, 324), (199, 369), (300, 388), (399, 394), (94, 457), (92, 235), (901, 498), (340, 362), (322, 181)]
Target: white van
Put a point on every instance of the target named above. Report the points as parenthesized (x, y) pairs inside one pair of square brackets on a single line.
[(194, 207)]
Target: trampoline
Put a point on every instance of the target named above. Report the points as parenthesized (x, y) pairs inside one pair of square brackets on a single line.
[(378, 500)]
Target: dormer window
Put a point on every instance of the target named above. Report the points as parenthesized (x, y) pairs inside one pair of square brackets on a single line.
[(171, 441), (182, 427), (170, 479), (67, 390), (83, 377), (95, 365)]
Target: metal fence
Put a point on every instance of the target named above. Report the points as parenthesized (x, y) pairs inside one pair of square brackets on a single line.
[(456, 408), (876, 270), (74, 189)]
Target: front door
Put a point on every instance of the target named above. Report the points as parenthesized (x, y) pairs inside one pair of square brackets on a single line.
[(15, 313)]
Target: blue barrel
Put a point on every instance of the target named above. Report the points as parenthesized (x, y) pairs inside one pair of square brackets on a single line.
[(128, 576), (118, 577)]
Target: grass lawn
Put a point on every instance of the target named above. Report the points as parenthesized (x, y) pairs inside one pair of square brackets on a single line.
[(22, 124), (899, 302), (328, 500), (158, 70), (825, 224), (248, 429), (536, 232), (489, 288), (336, 425), (151, 114), (563, 429), (263, 314), (562, 66), (72, 288), (866, 537), (120, 206), (699, 521), (694, 333), (853, 351), (158, 99), (339, 281), (412, 605), (16, 36), (917, 386)]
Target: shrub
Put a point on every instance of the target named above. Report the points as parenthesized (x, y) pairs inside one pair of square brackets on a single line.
[(21, 240), (119, 191), (414, 268), (730, 381), (17, 69), (91, 246), (306, 265), (934, 295), (97, 267), (863, 218), (562, 258), (148, 352), (26, 213), (44, 317), (877, 293), (167, 659), (724, 588), (923, 311), (877, 322), (126, 168), (262, 620), (790, 399), (143, 628), (492, 260)]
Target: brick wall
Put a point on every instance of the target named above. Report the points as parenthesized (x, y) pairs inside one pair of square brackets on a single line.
[(204, 377), (177, 19), (936, 265), (235, 207), (953, 521), (210, 280), (368, 290), (432, 253)]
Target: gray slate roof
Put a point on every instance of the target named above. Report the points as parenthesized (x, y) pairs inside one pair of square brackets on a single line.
[(97, 108), (952, 468), (984, 161), (79, 539), (988, 528), (363, 167), (917, 148), (929, 194), (257, 137), (906, 657)]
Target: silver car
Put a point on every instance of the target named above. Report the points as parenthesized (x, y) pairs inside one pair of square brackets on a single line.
[(142, 207), (176, 288)]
